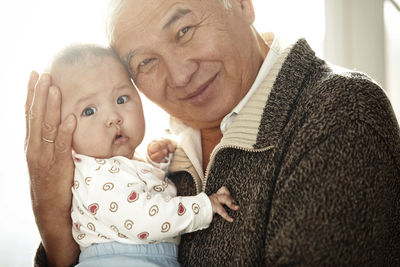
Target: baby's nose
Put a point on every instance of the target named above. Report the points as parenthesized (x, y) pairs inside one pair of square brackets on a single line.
[(116, 120)]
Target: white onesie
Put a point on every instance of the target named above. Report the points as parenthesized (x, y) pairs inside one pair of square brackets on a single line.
[(132, 202)]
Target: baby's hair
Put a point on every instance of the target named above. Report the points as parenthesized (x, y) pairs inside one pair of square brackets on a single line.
[(81, 53)]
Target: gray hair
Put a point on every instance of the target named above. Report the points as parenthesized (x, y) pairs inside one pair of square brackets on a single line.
[(227, 3), (114, 8)]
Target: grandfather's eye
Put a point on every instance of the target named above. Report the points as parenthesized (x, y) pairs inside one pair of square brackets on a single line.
[(144, 62), (183, 31), (122, 99), (89, 111)]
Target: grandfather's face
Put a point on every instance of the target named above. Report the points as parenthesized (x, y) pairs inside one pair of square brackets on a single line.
[(194, 58)]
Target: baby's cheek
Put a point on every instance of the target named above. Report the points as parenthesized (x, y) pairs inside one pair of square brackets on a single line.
[(76, 142)]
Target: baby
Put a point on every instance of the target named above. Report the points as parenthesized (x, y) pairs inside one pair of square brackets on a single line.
[(125, 212)]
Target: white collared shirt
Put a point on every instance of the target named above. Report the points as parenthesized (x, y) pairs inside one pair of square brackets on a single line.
[(275, 48), (190, 138)]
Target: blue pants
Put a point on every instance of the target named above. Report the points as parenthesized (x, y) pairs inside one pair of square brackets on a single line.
[(121, 255)]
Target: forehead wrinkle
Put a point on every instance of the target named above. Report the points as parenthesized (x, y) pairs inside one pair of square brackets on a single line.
[(178, 14)]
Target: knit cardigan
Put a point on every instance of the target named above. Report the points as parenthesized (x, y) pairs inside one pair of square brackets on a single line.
[(313, 160)]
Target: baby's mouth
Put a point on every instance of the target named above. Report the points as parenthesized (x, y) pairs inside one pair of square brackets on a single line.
[(120, 139)]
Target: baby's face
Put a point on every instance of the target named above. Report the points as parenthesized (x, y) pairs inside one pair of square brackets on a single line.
[(108, 109)]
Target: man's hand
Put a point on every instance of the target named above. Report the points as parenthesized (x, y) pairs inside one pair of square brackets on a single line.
[(48, 154), (223, 197), (158, 150)]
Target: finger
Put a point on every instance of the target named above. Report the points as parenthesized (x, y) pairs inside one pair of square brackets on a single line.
[(37, 112), (223, 191), (228, 201), (171, 146), (29, 97), (153, 147), (222, 212), (63, 143), (158, 156), (52, 118)]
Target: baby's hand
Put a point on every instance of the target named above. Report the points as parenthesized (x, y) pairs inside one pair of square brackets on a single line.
[(158, 150), (223, 197)]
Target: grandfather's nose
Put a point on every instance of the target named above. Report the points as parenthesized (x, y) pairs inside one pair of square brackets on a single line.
[(180, 70)]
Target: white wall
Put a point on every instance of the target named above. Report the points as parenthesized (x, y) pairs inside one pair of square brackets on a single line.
[(355, 36), (364, 35)]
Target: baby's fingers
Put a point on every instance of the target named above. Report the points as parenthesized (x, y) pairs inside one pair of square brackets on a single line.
[(228, 201), (159, 156), (171, 145), (153, 147), (222, 212)]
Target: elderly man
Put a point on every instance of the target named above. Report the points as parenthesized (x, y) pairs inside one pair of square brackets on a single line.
[(311, 154)]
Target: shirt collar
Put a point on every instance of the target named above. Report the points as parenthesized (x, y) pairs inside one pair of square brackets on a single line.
[(275, 48)]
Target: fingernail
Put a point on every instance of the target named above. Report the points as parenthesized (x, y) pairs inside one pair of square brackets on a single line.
[(33, 73), (53, 91)]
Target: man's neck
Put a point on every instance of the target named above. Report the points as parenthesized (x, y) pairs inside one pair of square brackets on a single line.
[(209, 139)]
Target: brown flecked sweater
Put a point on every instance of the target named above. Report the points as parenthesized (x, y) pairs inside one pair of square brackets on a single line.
[(313, 160)]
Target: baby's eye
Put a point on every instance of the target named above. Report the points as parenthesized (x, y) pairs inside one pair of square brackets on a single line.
[(122, 99), (89, 111)]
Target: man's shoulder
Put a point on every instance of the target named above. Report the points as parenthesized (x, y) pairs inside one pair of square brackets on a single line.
[(344, 94)]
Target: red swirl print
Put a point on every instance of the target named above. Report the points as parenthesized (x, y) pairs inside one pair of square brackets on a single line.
[(77, 226), (93, 208), (143, 235), (181, 209), (133, 196)]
